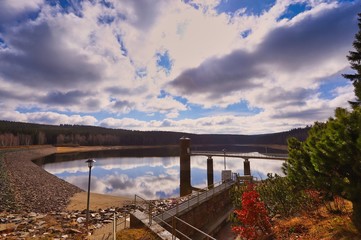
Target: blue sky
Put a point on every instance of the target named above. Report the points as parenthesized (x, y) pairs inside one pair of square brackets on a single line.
[(202, 66)]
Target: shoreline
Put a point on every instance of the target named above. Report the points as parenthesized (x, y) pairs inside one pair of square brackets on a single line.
[(43, 204), (32, 189)]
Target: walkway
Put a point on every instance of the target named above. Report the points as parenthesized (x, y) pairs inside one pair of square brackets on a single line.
[(193, 200), (254, 155)]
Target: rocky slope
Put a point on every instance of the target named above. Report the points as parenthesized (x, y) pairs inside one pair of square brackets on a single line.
[(27, 187)]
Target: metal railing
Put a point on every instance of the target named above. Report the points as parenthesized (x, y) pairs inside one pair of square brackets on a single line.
[(175, 231), (147, 206), (254, 155), (201, 196), (194, 199), (117, 222)]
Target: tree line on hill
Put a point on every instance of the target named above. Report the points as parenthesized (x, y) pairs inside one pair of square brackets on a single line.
[(20, 134)]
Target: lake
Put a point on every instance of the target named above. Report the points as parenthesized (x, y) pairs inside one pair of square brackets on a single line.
[(148, 176)]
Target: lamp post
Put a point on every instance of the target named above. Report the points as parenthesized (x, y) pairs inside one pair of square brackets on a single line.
[(90, 163)]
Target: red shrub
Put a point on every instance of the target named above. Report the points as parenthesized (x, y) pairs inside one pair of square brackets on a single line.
[(253, 217)]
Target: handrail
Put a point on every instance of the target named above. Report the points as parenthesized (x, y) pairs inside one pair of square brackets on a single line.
[(255, 155), (173, 227), (189, 197), (176, 218), (123, 220), (198, 230), (116, 223), (203, 191), (173, 217)]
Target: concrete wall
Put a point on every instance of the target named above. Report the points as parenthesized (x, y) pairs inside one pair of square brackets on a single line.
[(207, 216)]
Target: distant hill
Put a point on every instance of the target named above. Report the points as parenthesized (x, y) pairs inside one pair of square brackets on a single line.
[(19, 133)]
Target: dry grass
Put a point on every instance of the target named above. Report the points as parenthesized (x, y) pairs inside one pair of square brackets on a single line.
[(85, 149), (318, 224), (102, 201), (135, 234), (71, 149), (7, 227)]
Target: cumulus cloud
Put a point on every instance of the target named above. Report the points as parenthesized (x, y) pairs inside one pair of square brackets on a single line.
[(142, 14), (306, 49), (37, 57), (49, 118), (68, 98), (236, 71), (125, 122), (11, 9), (316, 39), (91, 59), (219, 124)]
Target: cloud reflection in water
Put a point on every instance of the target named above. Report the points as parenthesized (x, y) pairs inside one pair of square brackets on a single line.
[(150, 177)]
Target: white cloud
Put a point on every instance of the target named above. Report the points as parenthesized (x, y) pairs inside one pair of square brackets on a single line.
[(260, 123), (48, 118), (11, 8), (79, 66)]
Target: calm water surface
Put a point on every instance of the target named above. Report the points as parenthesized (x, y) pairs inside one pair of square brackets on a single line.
[(150, 177)]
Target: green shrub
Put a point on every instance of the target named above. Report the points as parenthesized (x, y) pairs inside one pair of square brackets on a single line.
[(282, 197)]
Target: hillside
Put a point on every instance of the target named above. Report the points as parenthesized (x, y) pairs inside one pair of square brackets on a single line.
[(19, 133)]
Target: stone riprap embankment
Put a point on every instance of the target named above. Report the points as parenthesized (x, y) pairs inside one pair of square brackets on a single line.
[(58, 225), (26, 187), (33, 202)]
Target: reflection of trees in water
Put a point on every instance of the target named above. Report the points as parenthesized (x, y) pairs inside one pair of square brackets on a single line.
[(144, 152), (152, 152)]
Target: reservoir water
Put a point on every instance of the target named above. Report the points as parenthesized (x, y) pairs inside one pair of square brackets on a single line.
[(147, 176)]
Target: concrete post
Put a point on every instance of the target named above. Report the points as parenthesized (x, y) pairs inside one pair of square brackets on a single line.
[(210, 178), (247, 167), (185, 167)]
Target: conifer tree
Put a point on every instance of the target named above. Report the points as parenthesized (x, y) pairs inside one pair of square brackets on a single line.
[(354, 58), (330, 158)]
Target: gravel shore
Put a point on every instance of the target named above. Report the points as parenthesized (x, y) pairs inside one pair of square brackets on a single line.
[(26, 187)]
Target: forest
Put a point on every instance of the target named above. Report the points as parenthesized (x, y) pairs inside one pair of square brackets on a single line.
[(19, 134)]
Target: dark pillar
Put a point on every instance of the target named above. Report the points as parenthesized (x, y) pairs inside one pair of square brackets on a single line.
[(210, 179), (185, 167), (247, 167)]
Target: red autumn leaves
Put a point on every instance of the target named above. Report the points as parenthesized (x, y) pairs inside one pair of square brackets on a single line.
[(253, 216)]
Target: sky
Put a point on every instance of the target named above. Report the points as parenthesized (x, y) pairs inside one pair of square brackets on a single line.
[(197, 66)]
